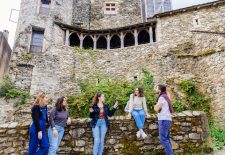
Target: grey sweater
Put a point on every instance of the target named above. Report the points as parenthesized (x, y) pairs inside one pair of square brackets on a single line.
[(58, 117)]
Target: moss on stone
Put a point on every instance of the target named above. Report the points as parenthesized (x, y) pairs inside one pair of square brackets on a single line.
[(185, 55), (206, 52), (70, 143), (192, 148), (130, 147), (26, 57), (182, 47), (175, 128)]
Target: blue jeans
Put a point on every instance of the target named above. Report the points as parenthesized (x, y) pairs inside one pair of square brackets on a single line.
[(99, 136), (139, 117), (164, 135), (54, 141)]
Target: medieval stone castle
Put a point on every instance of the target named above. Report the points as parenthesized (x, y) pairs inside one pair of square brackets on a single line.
[(125, 36)]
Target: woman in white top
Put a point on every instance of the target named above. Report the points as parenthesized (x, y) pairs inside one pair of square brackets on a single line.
[(138, 109)]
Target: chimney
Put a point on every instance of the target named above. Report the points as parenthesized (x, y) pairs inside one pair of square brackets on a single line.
[(6, 34)]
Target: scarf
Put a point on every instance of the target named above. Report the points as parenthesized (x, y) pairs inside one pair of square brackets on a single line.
[(166, 97)]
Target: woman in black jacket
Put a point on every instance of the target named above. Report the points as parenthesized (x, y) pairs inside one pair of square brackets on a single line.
[(99, 114), (38, 144)]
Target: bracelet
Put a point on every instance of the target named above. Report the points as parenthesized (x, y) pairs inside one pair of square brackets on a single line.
[(53, 128)]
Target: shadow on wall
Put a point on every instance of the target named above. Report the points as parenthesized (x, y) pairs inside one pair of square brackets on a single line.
[(5, 53)]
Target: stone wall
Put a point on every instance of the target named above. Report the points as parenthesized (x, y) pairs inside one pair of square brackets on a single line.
[(5, 54), (81, 12), (91, 13), (189, 133), (128, 13)]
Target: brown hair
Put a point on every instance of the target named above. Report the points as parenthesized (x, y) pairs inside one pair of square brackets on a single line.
[(95, 99), (59, 104), (39, 99), (162, 88), (141, 91)]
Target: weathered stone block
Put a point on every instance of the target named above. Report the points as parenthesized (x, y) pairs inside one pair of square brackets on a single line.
[(194, 136), (80, 143)]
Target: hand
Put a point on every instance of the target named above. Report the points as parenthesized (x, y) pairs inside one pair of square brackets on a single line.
[(55, 133), (116, 105), (129, 115), (91, 110), (40, 135), (68, 122)]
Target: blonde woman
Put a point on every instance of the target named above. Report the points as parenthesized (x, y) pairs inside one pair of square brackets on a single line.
[(38, 144)]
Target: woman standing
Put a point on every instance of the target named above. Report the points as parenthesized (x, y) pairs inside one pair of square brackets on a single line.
[(38, 144), (164, 109), (138, 109), (99, 113), (59, 118)]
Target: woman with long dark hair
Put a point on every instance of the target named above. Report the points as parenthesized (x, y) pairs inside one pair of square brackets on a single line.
[(99, 113), (38, 144), (164, 109), (138, 110), (59, 118)]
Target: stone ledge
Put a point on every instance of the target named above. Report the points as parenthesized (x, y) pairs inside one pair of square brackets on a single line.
[(125, 118)]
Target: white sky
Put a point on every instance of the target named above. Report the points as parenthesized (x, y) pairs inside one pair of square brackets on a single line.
[(7, 5)]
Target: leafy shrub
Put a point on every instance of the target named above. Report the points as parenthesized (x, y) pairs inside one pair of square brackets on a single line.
[(5, 85), (188, 87), (195, 100), (113, 89), (179, 106), (8, 91), (218, 137)]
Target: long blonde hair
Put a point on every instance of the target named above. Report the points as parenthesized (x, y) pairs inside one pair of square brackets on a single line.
[(39, 99)]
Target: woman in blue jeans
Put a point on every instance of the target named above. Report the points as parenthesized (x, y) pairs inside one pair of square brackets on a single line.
[(164, 109), (38, 144), (99, 113), (138, 110), (59, 118)]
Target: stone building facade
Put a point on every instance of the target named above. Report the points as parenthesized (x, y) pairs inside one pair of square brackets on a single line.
[(173, 45)]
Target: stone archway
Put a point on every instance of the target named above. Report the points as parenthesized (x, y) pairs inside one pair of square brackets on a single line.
[(115, 42), (129, 40), (143, 37), (101, 43), (88, 42), (74, 40)]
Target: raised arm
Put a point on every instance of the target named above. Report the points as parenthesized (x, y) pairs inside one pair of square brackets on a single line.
[(111, 112)]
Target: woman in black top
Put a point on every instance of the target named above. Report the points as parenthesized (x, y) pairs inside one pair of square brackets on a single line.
[(38, 144), (99, 113)]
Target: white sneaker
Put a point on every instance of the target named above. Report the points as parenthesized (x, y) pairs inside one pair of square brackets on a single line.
[(138, 134), (143, 135)]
